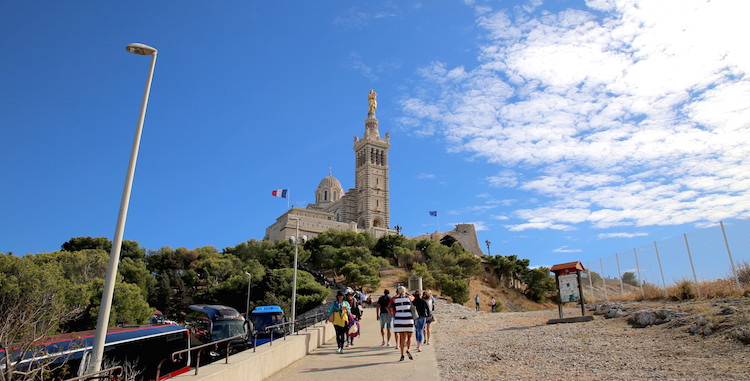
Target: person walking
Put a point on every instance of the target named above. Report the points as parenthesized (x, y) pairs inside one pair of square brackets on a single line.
[(493, 304), (356, 313), (476, 301), (427, 296), (381, 314), (338, 314), (423, 313), (403, 323)]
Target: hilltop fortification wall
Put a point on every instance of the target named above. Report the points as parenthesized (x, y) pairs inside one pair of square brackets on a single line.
[(465, 234)]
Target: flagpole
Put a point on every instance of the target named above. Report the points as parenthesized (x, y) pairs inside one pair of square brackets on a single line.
[(289, 197)]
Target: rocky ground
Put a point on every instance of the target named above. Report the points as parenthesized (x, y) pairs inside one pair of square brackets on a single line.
[(703, 340)]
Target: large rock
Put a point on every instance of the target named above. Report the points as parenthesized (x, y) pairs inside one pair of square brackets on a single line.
[(642, 318)]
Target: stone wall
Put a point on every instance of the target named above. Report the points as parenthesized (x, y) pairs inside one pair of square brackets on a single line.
[(465, 234)]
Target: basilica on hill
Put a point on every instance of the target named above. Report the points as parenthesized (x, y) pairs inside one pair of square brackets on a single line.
[(366, 207)]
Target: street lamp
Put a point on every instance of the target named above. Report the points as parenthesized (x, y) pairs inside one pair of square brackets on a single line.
[(247, 308), (114, 256), (488, 246), (295, 239)]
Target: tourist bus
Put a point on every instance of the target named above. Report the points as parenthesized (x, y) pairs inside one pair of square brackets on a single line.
[(140, 349), (216, 322)]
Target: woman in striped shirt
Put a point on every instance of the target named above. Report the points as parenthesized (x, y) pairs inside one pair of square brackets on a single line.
[(403, 323)]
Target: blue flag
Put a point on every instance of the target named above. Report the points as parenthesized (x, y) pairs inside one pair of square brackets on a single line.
[(433, 213)]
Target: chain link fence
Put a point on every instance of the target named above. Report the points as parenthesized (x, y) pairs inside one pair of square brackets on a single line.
[(692, 265)]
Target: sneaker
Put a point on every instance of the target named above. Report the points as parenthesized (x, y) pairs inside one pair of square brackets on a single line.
[(388, 344), (383, 343), (342, 351), (338, 350)]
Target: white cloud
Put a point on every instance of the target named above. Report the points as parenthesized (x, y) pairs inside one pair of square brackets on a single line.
[(620, 235), (478, 225), (564, 249), (623, 114), (424, 176)]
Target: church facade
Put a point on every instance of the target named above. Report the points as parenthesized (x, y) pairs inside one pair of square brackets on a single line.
[(366, 207)]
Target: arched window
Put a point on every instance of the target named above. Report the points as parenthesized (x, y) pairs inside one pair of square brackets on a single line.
[(325, 195)]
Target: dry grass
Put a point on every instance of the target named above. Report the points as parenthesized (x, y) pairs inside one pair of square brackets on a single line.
[(685, 289)]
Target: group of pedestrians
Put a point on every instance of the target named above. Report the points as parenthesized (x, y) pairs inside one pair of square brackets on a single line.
[(405, 314)]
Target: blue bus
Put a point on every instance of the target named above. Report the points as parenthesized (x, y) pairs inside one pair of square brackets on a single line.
[(265, 316), (140, 349)]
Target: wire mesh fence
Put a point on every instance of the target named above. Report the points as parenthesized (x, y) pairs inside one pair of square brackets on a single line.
[(698, 263)]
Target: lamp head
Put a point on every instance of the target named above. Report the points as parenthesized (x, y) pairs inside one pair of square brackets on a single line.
[(141, 49)]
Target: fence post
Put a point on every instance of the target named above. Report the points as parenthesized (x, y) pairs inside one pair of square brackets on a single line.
[(731, 261), (619, 275), (690, 257), (604, 280), (640, 277), (661, 272), (591, 282)]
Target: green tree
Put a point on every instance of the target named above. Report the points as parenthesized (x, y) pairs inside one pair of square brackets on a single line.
[(35, 301), (135, 272), (539, 283), (628, 277), (448, 240), (279, 283), (129, 306)]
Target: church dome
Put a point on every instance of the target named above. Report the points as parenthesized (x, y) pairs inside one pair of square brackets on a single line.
[(329, 190), (330, 182)]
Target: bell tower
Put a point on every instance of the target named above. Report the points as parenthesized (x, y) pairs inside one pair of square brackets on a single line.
[(371, 173)]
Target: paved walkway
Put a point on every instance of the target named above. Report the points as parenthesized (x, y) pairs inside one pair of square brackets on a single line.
[(366, 360)]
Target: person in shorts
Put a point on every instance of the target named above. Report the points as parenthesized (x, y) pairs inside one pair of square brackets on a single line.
[(386, 320)]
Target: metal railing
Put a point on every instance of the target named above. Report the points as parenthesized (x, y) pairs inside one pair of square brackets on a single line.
[(90, 375), (302, 322), (200, 350)]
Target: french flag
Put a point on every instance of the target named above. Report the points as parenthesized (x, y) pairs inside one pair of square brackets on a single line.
[(279, 192)]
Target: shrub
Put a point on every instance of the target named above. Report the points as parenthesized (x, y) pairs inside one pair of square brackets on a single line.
[(743, 273)]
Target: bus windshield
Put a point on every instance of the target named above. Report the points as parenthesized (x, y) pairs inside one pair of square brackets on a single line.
[(261, 321), (227, 328)]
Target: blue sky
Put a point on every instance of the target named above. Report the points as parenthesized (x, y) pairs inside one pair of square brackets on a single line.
[(564, 130)]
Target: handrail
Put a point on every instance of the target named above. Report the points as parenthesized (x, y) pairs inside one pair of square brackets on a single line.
[(269, 330), (88, 376), (198, 356)]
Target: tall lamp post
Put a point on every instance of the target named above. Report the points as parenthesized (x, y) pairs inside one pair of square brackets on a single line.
[(487, 242), (114, 256), (295, 240), (247, 306)]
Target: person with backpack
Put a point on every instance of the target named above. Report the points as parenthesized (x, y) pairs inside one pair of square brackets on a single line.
[(386, 320), (356, 313), (423, 313)]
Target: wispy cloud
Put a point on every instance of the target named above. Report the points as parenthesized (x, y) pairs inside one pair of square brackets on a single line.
[(620, 235), (622, 114), (424, 176), (370, 70), (357, 18), (564, 249), (478, 225)]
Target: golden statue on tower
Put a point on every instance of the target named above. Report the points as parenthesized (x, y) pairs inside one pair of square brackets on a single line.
[(372, 98)]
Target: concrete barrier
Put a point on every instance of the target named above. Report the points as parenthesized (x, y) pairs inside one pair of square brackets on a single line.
[(267, 360)]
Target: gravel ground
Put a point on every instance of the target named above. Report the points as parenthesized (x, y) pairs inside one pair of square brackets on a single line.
[(521, 346)]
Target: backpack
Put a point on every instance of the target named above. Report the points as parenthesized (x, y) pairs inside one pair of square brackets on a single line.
[(383, 302)]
